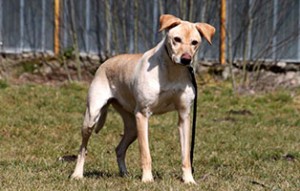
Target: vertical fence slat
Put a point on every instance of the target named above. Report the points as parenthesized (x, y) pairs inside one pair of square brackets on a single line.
[(298, 31), (22, 18), (87, 25), (274, 39), (1, 24), (65, 12), (43, 25), (249, 33), (155, 21)]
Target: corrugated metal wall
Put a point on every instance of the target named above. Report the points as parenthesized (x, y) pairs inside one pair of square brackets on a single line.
[(257, 29), (264, 29), (26, 25)]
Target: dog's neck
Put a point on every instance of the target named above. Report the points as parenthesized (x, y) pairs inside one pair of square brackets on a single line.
[(163, 52), (164, 56), (168, 52)]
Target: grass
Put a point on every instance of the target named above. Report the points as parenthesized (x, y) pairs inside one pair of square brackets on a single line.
[(249, 142)]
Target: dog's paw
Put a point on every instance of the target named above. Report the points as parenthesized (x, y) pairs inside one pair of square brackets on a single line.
[(146, 180), (188, 178), (189, 181), (124, 174), (147, 177), (75, 176)]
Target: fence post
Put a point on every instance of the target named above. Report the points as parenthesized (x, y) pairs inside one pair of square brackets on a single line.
[(56, 26), (223, 32)]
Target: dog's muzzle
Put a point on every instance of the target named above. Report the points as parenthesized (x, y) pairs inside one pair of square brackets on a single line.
[(186, 59)]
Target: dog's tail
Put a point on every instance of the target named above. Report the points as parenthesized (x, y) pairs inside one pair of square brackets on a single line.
[(102, 118)]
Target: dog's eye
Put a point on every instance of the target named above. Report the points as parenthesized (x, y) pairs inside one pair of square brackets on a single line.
[(194, 42), (177, 39)]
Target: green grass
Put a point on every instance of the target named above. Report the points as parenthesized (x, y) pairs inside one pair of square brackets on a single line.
[(243, 142)]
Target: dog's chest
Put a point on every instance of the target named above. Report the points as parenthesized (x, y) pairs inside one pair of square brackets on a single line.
[(167, 98), (160, 88)]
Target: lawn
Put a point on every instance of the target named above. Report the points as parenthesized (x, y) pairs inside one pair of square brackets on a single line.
[(248, 142)]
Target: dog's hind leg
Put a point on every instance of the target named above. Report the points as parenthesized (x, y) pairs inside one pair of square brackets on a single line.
[(102, 118), (86, 132), (130, 135), (96, 101)]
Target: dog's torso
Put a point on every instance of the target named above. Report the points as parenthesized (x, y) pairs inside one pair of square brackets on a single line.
[(148, 82)]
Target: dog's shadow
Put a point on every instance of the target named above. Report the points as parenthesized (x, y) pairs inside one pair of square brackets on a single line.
[(96, 174)]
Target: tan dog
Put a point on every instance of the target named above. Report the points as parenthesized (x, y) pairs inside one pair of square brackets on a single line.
[(139, 85)]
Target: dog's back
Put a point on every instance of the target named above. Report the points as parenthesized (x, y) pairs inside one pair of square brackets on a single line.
[(118, 72)]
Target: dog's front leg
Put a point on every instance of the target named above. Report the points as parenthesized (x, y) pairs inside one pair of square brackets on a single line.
[(142, 129), (184, 131)]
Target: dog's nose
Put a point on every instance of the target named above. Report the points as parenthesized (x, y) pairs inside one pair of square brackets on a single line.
[(186, 59)]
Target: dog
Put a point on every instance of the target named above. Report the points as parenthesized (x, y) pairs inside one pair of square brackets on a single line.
[(140, 85)]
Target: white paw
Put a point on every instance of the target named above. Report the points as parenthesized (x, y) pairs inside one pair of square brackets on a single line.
[(187, 177), (76, 176), (147, 177), (189, 181)]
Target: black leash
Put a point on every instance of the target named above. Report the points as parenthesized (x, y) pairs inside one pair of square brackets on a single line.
[(191, 70)]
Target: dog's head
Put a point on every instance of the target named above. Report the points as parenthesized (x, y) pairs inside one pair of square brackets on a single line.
[(183, 37)]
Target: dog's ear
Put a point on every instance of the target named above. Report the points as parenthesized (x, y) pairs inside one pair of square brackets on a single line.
[(206, 30), (168, 21)]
